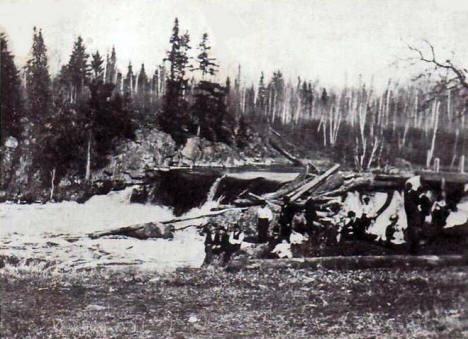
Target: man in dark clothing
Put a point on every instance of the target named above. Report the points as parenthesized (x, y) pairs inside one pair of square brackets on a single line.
[(311, 217), (285, 219), (359, 228), (390, 230), (440, 213), (235, 239), (310, 212), (411, 201), (425, 205), (221, 241), (209, 241), (347, 231)]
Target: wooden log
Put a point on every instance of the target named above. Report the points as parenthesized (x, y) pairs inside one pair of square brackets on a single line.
[(333, 182), (313, 183), (258, 200), (361, 262), (286, 189), (151, 230), (137, 227), (449, 177), (292, 158), (353, 184), (206, 215), (288, 155)]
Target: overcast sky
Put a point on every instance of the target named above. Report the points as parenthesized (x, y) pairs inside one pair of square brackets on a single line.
[(329, 40)]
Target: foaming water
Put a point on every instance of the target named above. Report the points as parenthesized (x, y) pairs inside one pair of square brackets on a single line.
[(98, 213), (28, 230)]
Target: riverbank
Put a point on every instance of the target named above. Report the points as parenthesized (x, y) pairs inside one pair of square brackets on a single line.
[(267, 302)]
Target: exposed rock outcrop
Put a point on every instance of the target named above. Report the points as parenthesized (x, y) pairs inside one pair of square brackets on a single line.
[(149, 150)]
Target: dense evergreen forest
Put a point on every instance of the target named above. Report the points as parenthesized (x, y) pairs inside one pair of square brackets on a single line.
[(67, 123)]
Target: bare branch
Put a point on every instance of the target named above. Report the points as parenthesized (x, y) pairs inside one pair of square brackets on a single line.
[(447, 65)]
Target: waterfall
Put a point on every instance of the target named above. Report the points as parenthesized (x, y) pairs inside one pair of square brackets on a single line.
[(214, 188)]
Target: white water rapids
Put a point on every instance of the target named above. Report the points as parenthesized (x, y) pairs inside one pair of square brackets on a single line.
[(30, 232), (38, 231)]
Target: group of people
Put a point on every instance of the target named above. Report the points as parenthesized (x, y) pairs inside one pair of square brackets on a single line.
[(425, 216), (354, 227), (292, 217), (422, 211), (221, 243)]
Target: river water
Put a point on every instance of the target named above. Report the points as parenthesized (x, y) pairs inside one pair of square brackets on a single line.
[(38, 231)]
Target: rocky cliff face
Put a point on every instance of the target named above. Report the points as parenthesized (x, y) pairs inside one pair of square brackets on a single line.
[(154, 149), (149, 150), (130, 163)]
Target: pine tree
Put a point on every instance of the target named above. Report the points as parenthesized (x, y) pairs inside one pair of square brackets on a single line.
[(143, 91), (174, 118), (38, 79), (111, 70), (128, 81), (142, 82), (211, 116), (206, 65), (155, 85), (10, 93), (97, 66), (277, 95), (77, 70), (261, 103)]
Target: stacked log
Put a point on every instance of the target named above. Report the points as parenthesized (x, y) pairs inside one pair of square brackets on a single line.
[(326, 189)]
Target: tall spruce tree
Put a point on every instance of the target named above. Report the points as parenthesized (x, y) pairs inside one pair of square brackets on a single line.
[(77, 70), (174, 118), (211, 117), (262, 94), (111, 68), (11, 109), (97, 66), (38, 79), (143, 92), (128, 81), (206, 64)]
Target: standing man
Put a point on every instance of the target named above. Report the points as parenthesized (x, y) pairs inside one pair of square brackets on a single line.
[(310, 213), (411, 201), (285, 219), (367, 213), (264, 217), (209, 243)]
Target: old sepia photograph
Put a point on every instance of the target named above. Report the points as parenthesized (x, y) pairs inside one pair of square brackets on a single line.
[(233, 169)]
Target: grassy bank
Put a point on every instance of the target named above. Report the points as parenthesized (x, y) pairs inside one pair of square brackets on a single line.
[(279, 302)]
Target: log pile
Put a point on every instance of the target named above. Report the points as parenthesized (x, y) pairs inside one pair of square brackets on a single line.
[(332, 184), (327, 189)]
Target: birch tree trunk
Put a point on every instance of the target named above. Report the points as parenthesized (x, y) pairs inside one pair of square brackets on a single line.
[(88, 159), (52, 185)]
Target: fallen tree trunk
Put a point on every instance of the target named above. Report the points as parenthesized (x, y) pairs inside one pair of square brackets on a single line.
[(288, 155), (140, 231), (348, 186), (152, 229), (361, 262), (286, 189), (313, 183), (292, 158)]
